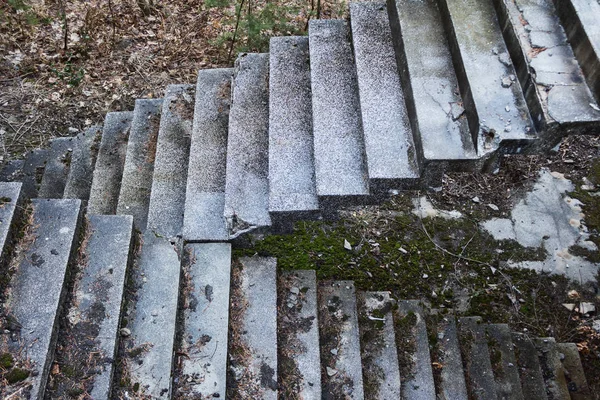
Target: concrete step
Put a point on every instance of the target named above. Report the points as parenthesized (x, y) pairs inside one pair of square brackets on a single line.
[(497, 115), (57, 167), (37, 289), (298, 336), (380, 366), (434, 103), (574, 373), (413, 351), (11, 210), (555, 89), (341, 370), (476, 359), (149, 334), (33, 171), (202, 372), (452, 385), (253, 330), (552, 369), (134, 196), (83, 160), (580, 21), (247, 180), (205, 194), (167, 200), (12, 171), (504, 362), (292, 191), (108, 170), (89, 343), (339, 148), (532, 380), (390, 150)]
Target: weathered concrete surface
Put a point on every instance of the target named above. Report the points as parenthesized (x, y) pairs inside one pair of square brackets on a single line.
[(205, 321), (552, 368), (38, 287), (11, 171), (506, 372), (83, 160), (10, 201), (452, 378), (548, 217), (169, 179), (56, 169), (496, 113), (475, 351), (532, 379), (205, 194), (577, 382), (136, 185), (340, 341), (389, 145), (247, 183), (378, 344), (152, 317), (298, 318), (108, 170), (292, 187), (33, 168), (339, 149), (100, 286)]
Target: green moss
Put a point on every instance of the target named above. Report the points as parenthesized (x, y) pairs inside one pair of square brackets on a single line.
[(16, 375), (6, 360)]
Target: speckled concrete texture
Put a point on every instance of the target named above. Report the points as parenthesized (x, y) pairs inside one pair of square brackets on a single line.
[(83, 160)]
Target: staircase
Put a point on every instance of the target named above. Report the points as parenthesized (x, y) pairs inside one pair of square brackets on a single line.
[(116, 244)]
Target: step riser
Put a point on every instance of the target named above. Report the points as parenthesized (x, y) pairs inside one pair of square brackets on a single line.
[(11, 211), (83, 160), (506, 374), (57, 168), (476, 358)]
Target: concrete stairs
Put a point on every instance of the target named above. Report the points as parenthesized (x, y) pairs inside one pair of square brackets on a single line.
[(123, 233)]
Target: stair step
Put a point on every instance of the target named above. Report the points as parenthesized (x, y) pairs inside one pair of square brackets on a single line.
[(38, 287), (532, 380), (498, 116), (298, 341), (389, 146), (552, 369), (149, 341), (431, 85), (339, 149), (108, 170), (292, 191), (167, 200), (476, 358), (57, 168), (341, 371), (10, 212), (452, 384), (413, 350), (33, 170), (253, 330), (205, 322), (247, 181), (205, 194), (555, 87), (380, 366), (576, 380), (12, 171), (83, 160), (580, 20), (504, 362), (136, 185), (91, 339)]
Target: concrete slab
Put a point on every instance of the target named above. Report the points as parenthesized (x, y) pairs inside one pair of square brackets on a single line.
[(83, 160), (10, 210), (57, 168), (33, 170), (12, 171), (475, 352), (552, 368), (574, 372), (506, 373), (532, 380), (452, 377)]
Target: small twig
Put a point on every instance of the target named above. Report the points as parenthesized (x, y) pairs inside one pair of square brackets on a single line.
[(237, 24)]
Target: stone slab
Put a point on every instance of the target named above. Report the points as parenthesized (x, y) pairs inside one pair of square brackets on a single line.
[(32, 172), (206, 321), (380, 366), (83, 160), (506, 372), (247, 181), (452, 378), (292, 190), (419, 385), (205, 194), (532, 380), (552, 368), (167, 200), (498, 115), (38, 287), (475, 351), (11, 171), (390, 150), (339, 148), (136, 184), (57, 168), (108, 170), (574, 372), (152, 317), (299, 332), (340, 341), (10, 205)]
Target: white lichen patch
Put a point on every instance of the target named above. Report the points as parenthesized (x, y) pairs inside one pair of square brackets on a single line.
[(424, 209)]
